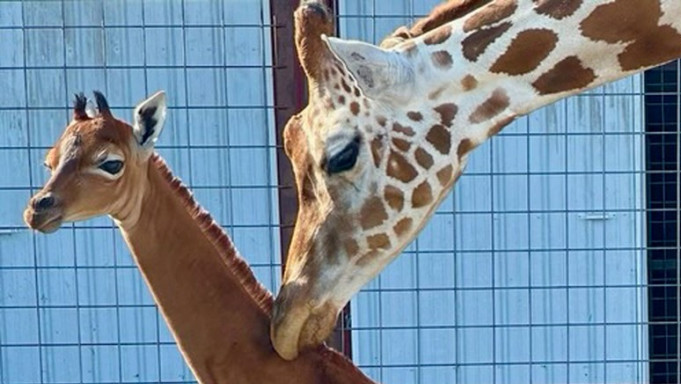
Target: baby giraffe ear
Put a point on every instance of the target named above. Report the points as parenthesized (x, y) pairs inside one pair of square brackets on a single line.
[(381, 74), (148, 119)]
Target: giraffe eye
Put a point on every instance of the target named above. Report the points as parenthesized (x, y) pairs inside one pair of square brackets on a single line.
[(111, 166), (345, 159)]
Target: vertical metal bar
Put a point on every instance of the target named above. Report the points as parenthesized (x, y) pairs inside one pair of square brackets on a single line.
[(605, 253), (380, 327), (271, 181), (145, 66), (290, 96), (528, 142), (113, 227), (72, 226), (567, 239), (29, 143), (678, 221)]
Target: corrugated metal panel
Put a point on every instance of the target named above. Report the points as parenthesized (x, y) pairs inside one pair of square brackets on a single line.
[(77, 290), (486, 292)]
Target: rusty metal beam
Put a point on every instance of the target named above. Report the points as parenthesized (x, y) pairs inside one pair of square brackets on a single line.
[(290, 96)]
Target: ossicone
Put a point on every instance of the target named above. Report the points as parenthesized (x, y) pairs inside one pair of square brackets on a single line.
[(102, 104), (79, 106)]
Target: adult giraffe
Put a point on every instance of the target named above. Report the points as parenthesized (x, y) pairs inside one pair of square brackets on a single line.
[(216, 310), (387, 131)]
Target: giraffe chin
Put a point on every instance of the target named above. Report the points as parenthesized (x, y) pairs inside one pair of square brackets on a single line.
[(301, 328), (42, 221)]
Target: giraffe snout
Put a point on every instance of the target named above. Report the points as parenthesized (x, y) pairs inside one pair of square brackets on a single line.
[(299, 321)]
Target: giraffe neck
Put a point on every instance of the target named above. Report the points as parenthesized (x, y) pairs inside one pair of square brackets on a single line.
[(476, 74), (512, 57), (213, 305)]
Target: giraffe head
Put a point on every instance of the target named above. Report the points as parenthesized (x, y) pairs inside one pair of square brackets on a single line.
[(387, 131), (357, 161), (97, 166)]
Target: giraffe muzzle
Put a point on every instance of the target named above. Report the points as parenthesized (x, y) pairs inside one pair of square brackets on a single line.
[(43, 213), (297, 324)]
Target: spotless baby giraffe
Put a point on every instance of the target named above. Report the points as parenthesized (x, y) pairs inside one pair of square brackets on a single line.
[(387, 131), (216, 310)]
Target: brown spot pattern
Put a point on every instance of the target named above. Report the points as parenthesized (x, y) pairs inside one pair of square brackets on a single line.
[(614, 22), (401, 144), (566, 75), (649, 43), (527, 50), (379, 241), (422, 195), (469, 82), (477, 42), (397, 127), (557, 9), (438, 35), (402, 227), (341, 100), (652, 49), (493, 106), (442, 59), (400, 168), (465, 146), (493, 13), (376, 147), (445, 175), (351, 247), (423, 158), (416, 116), (373, 213), (345, 85), (354, 107), (447, 113), (394, 197), (440, 138)]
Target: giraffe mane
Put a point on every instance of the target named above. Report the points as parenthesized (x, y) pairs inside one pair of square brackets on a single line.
[(217, 236), (237, 265)]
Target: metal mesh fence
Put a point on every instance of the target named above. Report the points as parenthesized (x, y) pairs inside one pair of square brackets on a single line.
[(73, 306), (554, 260)]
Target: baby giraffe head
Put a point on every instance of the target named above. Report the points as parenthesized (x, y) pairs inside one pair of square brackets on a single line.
[(98, 166), (358, 165)]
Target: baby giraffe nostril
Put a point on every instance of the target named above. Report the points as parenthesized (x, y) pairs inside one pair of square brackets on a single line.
[(44, 202)]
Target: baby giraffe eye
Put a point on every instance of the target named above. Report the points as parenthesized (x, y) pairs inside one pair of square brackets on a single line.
[(111, 166), (345, 159), (47, 166)]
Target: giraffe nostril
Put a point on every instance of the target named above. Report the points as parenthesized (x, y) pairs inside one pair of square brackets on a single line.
[(44, 202)]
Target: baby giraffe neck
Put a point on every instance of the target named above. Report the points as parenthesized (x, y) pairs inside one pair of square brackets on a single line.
[(214, 307)]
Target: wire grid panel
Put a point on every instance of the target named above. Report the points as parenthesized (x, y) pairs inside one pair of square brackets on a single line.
[(73, 307), (534, 269)]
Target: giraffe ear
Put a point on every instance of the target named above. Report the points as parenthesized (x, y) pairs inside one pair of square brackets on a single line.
[(148, 119), (381, 74)]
